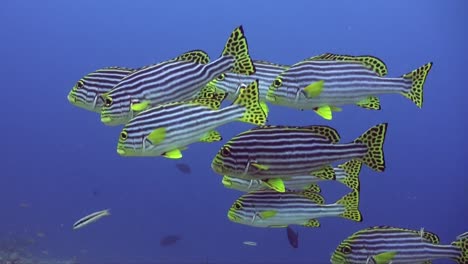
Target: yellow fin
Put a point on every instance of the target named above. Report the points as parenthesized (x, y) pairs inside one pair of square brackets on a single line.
[(374, 139), (157, 135), (248, 97), (210, 99), (173, 154), (264, 107), (325, 173), (314, 89), (137, 107), (276, 184), (371, 102), (313, 187), (385, 257), (418, 78), (211, 136), (312, 223), (351, 205), (197, 56), (352, 169), (237, 47), (371, 62), (267, 214), (259, 166), (325, 131), (324, 111), (314, 197)]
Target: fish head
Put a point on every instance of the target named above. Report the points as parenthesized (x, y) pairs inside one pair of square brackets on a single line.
[(283, 90), (342, 254), (241, 184), (116, 108), (134, 142), (238, 214), (86, 95), (229, 162)]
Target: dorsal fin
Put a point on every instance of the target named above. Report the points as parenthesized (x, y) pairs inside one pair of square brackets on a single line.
[(211, 100), (325, 131), (428, 236), (118, 68), (314, 197), (270, 63), (431, 237), (373, 63), (197, 56)]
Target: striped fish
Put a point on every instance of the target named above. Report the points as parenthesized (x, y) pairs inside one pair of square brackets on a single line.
[(269, 152), (409, 246), (347, 173), (274, 209), (87, 91), (325, 82), (90, 218), (175, 80), (265, 73), (167, 129)]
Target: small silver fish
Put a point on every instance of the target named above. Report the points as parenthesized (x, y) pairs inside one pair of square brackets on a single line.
[(90, 218)]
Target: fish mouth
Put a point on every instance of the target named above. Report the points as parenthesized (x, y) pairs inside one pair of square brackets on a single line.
[(106, 119), (270, 97), (226, 182), (232, 216), (121, 151), (71, 98)]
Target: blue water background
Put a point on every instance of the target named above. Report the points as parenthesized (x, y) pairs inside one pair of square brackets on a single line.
[(62, 160)]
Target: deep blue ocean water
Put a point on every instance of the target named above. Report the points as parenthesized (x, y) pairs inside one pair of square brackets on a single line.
[(59, 162)]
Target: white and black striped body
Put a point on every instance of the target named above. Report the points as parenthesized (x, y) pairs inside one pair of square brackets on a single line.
[(290, 207), (411, 246), (170, 81), (344, 83), (185, 123), (293, 183), (284, 151)]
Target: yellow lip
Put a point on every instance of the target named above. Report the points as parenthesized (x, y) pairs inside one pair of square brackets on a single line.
[(226, 182), (231, 216), (106, 119), (270, 97), (71, 98), (121, 152)]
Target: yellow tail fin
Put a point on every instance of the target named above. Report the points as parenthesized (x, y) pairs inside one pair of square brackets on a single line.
[(237, 46), (374, 139), (418, 77), (351, 204), (462, 244), (249, 98)]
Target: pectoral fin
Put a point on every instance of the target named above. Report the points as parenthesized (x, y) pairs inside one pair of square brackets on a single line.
[(276, 184), (157, 135), (324, 111), (173, 154), (314, 89), (137, 107)]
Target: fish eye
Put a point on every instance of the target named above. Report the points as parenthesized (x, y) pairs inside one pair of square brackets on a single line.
[(220, 77), (124, 135), (238, 205), (225, 152), (107, 101), (345, 249), (80, 84), (277, 82)]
